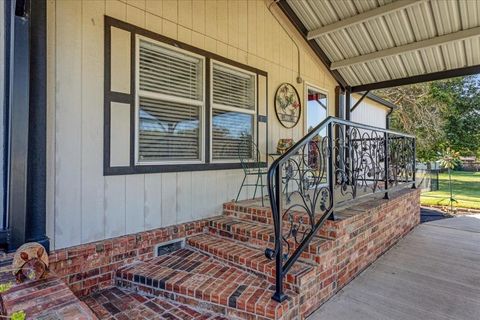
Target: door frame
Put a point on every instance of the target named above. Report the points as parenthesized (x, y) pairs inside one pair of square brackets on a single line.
[(308, 86)]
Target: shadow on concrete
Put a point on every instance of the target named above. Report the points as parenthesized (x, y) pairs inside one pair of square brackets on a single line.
[(429, 214)]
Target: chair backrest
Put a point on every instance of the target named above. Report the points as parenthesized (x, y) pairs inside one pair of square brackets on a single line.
[(249, 155)]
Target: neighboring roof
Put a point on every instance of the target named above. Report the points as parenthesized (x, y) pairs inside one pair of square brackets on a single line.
[(375, 98), (370, 44), (382, 101)]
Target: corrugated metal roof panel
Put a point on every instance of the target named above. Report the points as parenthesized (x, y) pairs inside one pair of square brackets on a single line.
[(472, 50), (447, 16), (395, 67), (323, 10), (349, 76), (330, 48), (421, 20), (413, 63), (379, 70), (454, 55), (470, 13), (433, 59), (399, 27), (376, 28), (424, 20)]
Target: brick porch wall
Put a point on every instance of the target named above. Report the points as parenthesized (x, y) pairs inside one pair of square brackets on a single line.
[(358, 241), (90, 267)]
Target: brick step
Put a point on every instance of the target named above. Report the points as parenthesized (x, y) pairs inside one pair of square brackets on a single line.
[(252, 259), (247, 212), (262, 235), (198, 279), (250, 210)]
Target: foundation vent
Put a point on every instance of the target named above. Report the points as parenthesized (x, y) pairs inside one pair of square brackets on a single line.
[(168, 247)]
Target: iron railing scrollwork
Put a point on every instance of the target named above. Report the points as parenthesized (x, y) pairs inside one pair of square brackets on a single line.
[(335, 162)]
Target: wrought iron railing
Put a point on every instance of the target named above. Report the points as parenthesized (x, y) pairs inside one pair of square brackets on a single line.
[(337, 161)]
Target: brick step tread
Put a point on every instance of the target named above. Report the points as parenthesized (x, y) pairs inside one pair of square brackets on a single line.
[(196, 278), (261, 234), (47, 298), (118, 303), (251, 258)]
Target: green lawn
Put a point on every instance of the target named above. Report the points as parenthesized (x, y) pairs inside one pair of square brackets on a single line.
[(466, 190)]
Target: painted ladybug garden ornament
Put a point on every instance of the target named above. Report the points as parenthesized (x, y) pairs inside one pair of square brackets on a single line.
[(30, 262)]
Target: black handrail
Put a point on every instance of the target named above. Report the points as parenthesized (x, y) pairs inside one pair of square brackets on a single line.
[(351, 156)]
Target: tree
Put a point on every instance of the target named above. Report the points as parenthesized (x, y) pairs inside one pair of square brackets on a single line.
[(420, 115), (462, 115), (440, 114)]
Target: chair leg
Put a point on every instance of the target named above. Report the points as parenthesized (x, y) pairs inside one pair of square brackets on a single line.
[(241, 187), (256, 186), (261, 188)]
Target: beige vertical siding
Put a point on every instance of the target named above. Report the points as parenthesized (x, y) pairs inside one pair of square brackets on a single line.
[(84, 205)]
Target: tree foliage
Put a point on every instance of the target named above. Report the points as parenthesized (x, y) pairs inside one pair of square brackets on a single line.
[(441, 114), (462, 115)]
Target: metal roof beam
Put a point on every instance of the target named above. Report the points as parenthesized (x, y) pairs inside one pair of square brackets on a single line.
[(418, 79), (414, 46), (362, 17)]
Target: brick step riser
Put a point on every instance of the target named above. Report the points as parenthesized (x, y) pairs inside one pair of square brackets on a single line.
[(215, 302), (328, 230), (310, 255), (263, 241), (306, 256), (196, 301)]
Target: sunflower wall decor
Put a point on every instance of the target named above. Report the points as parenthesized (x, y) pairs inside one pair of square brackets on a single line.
[(287, 105)]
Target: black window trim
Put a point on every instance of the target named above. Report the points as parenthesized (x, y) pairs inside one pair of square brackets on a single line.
[(111, 96)]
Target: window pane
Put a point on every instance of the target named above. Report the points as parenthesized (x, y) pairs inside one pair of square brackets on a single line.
[(170, 72), (232, 133), (233, 88), (168, 131)]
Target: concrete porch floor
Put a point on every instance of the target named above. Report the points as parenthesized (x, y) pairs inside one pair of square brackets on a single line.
[(432, 273)]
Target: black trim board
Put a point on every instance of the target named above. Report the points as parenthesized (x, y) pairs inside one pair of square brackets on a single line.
[(37, 132), (297, 23), (18, 130), (418, 79), (110, 96)]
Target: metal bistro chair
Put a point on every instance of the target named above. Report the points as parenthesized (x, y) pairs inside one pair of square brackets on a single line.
[(250, 159)]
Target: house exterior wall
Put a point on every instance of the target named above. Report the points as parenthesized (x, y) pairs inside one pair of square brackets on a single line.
[(369, 112), (83, 205)]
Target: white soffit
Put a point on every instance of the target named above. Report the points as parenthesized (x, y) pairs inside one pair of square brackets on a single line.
[(371, 41)]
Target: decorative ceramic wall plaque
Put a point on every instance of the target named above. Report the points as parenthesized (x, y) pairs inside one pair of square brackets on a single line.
[(287, 105)]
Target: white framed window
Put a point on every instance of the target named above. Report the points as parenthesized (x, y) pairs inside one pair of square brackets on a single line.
[(169, 104), (233, 112)]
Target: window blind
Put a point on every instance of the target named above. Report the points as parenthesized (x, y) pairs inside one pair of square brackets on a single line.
[(170, 104), (168, 130), (233, 96), (231, 135), (233, 88), (169, 72)]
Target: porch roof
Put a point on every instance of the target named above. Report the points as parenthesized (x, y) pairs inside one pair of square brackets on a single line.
[(371, 44)]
